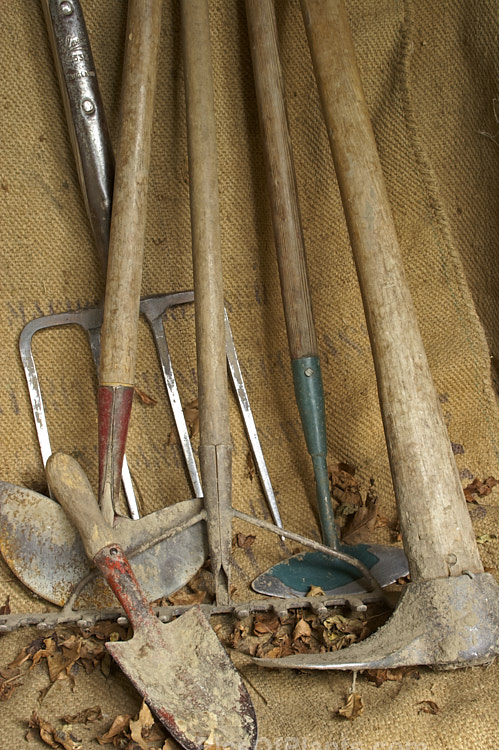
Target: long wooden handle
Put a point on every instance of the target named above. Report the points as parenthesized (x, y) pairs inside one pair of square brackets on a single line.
[(290, 247), (435, 523), (281, 179), (215, 450), (124, 275), (126, 246)]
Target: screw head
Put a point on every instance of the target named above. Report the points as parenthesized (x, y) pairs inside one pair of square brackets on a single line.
[(309, 372), (66, 8), (88, 106)]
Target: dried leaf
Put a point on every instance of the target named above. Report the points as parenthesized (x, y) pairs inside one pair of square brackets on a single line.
[(485, 538), (107, 630), (119, 725), (302, 630), (353, 708), (141, 725), (186, 597), (379, 676), (482, 489), (315, 591), (148, 400), (359, 526), (10, 679), (250, 464), (191, 416), (267, 622), (428, 707), (5, 608), (86, 716), (245, 542), (52, 737)]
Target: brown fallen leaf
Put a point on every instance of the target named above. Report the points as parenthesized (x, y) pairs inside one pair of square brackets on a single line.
[(144, 397), (141, 726), (10, 679), (107, 630), (482, 489), (51, 736), (301, 630), (5, 608), (379, 676), (186, 597), (267, 622), (86, 716), (315, 591), (191, 416), (245, 541), (485, 538), (353, 708), (428, 707), (360, 525), (119, 726)]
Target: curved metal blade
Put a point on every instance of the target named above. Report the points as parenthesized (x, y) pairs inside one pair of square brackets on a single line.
[(295, 576), (44, 550)]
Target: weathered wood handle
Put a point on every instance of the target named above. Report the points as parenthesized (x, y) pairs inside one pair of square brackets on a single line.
[(70, 485), (126, 245), (290, 247), (281, 179), (124, 273), (215, 449), (436, 528)]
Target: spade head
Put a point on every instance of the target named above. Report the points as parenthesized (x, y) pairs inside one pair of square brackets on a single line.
[(189, 682), (295, 576), (44, 550)]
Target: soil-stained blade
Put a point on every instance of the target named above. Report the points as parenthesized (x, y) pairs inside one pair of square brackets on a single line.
[(44, 550), (183, 671)]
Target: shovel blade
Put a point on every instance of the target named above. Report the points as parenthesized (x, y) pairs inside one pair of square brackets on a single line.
[(44, 550), (296, 575), (184, 674)]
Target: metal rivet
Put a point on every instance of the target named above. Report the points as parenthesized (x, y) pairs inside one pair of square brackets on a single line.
[(309, 372), (88, 106), (66, 8), (451, 558)]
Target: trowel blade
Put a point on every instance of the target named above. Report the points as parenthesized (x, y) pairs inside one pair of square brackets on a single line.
[(296, 575), (190, 683), (44, 550)]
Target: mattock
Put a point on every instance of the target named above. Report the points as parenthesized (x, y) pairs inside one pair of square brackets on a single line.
[(448, 615)]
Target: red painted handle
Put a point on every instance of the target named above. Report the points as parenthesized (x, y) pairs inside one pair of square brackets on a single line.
[(116, 569)]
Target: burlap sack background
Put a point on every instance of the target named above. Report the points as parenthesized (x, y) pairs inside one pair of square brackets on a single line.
[(430, 76)]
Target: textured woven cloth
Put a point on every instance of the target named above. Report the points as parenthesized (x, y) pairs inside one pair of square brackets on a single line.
[(430, 75)]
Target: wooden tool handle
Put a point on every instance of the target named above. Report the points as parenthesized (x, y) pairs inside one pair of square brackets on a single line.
[(70, 485), (215, 448), (436, 528), (124, 273), (290, 246), (205, 224), (281, 179)]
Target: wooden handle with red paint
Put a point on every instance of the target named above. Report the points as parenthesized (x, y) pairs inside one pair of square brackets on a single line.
[(126, 245)]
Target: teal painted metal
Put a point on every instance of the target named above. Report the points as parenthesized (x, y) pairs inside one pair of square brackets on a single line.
[(309, 393)]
